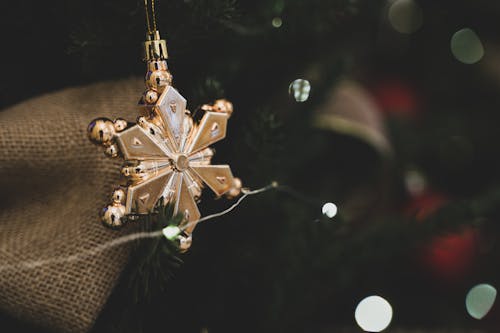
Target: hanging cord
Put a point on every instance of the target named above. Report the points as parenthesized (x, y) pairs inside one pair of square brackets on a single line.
[(153, 16)]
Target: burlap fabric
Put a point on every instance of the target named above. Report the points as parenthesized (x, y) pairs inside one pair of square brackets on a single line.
[(53, 184)]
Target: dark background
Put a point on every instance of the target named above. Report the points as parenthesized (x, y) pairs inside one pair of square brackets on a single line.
[(276, 264)]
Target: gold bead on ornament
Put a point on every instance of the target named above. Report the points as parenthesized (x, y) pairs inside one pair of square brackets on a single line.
[(224, 106), (158, 80), (120, 124), (119, 196), (101, 131), (111, 150), (113, 215), (235, 189), (141, 121), (150, 96), (135, 172), (220, 105), (185, 242)]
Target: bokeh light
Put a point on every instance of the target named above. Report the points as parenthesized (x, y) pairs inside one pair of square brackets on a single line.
[(466, 46), (480, 300), (405, 16), (277, 22), (300, 89), (171, 231), (329, 209), (373, 314), (415, 182)]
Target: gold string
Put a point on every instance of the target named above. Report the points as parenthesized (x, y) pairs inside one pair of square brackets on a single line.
[(148, 25), (153, 14)]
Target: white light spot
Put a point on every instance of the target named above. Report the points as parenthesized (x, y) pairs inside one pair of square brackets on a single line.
[(480, 300), (415, 182), (405, 16), (373, 314), (300, 89), (277, 22), (329, 209), (466, 46), (171, 232)]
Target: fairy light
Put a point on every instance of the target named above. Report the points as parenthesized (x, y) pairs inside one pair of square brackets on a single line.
[(171, 231), (277, 22), (373, 314), (329, 209), (405, 16), (466, 46), (299, 89), (480, 300)]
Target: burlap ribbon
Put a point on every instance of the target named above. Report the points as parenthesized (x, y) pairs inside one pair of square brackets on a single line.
[(53, 184)]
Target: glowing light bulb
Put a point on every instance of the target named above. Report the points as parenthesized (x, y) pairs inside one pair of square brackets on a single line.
[(405, 16), (277, 22), (373, 314), (300, 89), (171, 231), (480, 300), (466, 46), (329, 209)]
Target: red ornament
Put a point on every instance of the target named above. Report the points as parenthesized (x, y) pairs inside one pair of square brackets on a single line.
[(447, 257), (425, 204), (396, 97), (450, 257)]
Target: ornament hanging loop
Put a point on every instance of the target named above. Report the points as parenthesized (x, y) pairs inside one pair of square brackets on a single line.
[(155, 48), (153, 15)]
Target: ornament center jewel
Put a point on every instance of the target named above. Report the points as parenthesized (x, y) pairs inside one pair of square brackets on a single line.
[(181, 162)]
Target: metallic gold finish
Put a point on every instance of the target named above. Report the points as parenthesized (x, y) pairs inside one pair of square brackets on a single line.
[(170, 111), (218, 177), (143, 196), (220, 105), (157, 65), (112, 150), (155, 48), (158, 80), (148, 21), (202, 157), (139, 143), (186, 206), (101, 131), (184, 242), (118, 196), (235, 189), (212, 128), (167, 155), (120, 124), (150, 96), (113, 215), (142, 170), (171, 161), (181, 162), (194, 184)]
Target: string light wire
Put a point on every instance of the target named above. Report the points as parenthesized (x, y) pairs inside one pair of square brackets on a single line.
[(33, 264)]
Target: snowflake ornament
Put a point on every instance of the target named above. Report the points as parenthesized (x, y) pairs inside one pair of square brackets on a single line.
[(167, 156)]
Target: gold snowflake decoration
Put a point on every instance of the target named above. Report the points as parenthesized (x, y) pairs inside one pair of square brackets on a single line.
[(167, 156)]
